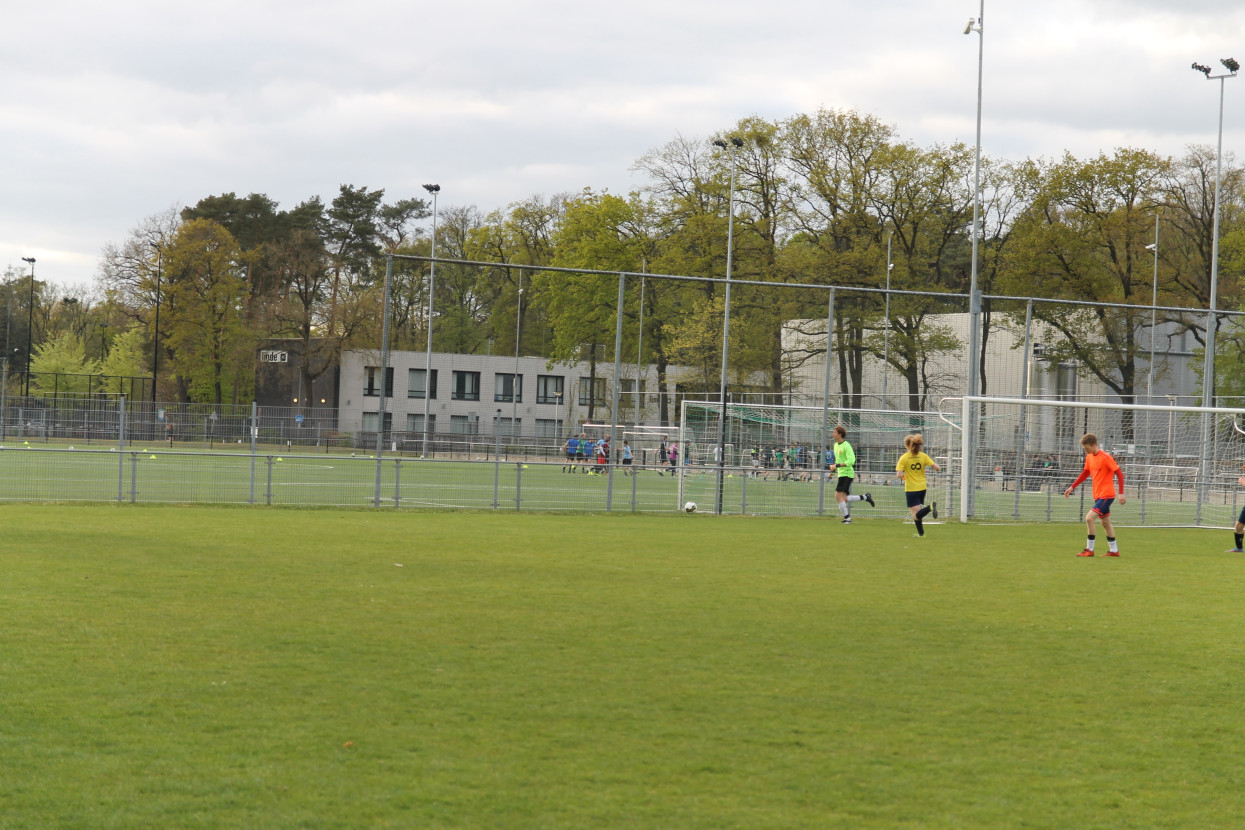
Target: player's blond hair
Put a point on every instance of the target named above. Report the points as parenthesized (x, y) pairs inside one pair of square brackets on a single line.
[(914, 443)]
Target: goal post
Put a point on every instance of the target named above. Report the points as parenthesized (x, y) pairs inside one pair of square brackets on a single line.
[(1180, 463), (780, 483)]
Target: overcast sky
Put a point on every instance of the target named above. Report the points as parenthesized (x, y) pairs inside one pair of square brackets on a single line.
[(116, 111)]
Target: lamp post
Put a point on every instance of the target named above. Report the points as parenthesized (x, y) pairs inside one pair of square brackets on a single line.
[(30, 322), (735, 143), (1154, 301), (433, 190), (155, 351), (886, 332), (974, 298), (1208, 369), (515, 383)]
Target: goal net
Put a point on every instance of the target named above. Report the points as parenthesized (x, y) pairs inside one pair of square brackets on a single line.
[(1181, 464), (775, 456)]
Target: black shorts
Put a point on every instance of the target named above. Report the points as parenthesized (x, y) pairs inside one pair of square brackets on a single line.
[(915, 497), (844, 485), (1241, 518), (626, 460)]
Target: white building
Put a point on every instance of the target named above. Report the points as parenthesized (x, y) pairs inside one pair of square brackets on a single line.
[(493, 395), (946, 372)]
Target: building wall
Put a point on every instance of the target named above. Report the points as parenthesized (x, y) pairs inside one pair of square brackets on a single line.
[(493, 411)]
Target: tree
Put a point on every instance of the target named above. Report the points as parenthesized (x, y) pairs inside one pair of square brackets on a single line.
[(61, 367), (211, 347), (1083, 238)]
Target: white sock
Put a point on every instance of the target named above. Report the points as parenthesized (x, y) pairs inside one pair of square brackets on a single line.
[(1112, 546), (855, 498), (843, 509)]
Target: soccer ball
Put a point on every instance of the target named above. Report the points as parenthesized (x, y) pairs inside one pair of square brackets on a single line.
[(690, 507)]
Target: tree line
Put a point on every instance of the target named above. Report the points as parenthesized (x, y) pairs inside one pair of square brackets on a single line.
[(820, 198)]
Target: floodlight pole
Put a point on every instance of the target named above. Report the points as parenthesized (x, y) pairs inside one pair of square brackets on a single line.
[(886, 332), (433, 189), (30, 322), (1208, 369), (1208, 365), (974, 301), (735, 143), (155, 351), (1154, 302)]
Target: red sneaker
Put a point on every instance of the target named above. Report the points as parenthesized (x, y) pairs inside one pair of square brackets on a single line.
[(1086, 552), (1112, 553)]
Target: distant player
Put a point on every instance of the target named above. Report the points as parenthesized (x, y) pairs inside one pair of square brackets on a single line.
[(911, 467), (845, 465), (571, 448), (1101, 467), (1239, 529)]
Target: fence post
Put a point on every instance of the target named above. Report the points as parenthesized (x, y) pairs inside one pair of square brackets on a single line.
[(397, 482), (268, 488), (618, 327), (121, 448), (133, 477), (825, 408), (518, 484), (254, 435)]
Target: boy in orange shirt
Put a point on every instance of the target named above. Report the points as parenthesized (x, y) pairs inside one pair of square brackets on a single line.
[(1100, 466)]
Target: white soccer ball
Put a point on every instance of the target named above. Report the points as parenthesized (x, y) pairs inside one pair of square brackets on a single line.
[(690, 507)]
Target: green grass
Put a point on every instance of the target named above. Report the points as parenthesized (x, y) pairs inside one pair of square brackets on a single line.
[(153, 474), (232, 667)]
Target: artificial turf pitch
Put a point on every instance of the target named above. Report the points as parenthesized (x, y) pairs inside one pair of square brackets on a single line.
[(235, 667)]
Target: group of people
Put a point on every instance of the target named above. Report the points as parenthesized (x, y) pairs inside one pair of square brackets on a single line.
[(592, 456), (910, 468)]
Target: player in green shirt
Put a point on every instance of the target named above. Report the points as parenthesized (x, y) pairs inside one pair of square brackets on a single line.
[(845, 465)]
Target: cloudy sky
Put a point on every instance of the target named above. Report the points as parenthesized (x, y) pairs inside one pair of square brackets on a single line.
[(112, 112)]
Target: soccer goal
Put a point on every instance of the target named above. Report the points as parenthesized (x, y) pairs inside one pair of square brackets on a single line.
[(775, 456), (1181, 464)]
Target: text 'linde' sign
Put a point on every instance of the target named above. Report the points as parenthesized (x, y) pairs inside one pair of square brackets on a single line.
[(274, 356)]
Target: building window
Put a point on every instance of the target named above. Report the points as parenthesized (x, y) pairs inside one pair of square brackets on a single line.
[(371, 419), (371, 385), (415, 423), (586, 387), (549, 389), (508, 428), (464, 425), (548, 428), (508, 388), (415, 387), (466, 386)]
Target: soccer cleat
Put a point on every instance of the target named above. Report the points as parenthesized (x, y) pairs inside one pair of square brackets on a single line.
[(1086, 552), (1113, 553), (1234, 550), (846, 521), (933, 509), (869, 498)]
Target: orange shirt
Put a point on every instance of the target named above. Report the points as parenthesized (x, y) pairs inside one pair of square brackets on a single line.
[(1101, 466)]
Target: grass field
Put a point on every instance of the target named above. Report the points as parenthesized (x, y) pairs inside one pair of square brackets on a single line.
[(236, 667), (148, 475)]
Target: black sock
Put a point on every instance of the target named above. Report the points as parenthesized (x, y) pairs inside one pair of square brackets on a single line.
[(1239, 538), (922, 513), (920, 528)]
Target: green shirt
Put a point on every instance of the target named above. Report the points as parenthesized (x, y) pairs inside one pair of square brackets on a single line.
[(845, 458)]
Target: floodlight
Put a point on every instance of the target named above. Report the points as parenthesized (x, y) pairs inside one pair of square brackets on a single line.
[(968, 27), (737, 141), (717, 142), (433, 188), (1205, 70), (1152, 247), (1231, 64)]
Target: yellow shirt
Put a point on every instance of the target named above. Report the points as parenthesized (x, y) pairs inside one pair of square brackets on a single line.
[(913, 469)]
